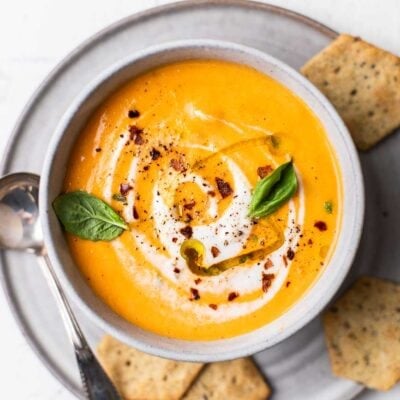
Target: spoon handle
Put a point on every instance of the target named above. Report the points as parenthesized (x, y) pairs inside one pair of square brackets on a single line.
[(96, 383)]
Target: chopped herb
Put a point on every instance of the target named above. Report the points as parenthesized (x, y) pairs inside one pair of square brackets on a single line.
[(243, 259), (274, 141), (328, 207), (119, 197), (254, 238)]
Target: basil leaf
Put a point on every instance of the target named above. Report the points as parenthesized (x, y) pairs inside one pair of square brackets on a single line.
[(88, 217), (273, 191)]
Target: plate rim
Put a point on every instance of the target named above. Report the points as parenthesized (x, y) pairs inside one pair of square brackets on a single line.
[(66, 60)]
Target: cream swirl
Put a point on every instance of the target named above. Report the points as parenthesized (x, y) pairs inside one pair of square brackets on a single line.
[(244, 279)]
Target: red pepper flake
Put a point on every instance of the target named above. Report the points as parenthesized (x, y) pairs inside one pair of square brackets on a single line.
[(223, 187), (288, 283), (133, 114), (284, 260), (187, 231), (211, 193), (124, 188), (136, 134), (155, 154), (321, 225), (146, 168), (98, 149), (189, 206), (174, 239), (135, 213), (268, 264), (178, 165), (177, 270), (195, 294), (310, 241), (232, 296), (290, 254), (213, 306), (262, 172), (215, 251), (197, 281), (267, 281)]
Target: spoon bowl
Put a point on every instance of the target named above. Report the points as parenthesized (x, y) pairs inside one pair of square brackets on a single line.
[(19, 213)]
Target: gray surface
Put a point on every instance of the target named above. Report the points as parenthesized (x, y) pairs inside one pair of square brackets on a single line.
[(297, 368)]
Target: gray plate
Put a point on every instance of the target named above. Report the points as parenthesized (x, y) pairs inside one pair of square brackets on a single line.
[(298, 368)]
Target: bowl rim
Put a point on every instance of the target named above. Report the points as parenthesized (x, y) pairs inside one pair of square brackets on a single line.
[(312, 302)]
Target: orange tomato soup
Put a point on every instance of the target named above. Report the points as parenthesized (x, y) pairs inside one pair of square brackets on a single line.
[(177, 152)]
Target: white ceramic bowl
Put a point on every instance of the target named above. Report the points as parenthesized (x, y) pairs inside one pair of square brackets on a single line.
[(297, 316)]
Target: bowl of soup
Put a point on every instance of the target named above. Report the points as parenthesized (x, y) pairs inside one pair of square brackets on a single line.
[(201, 200)]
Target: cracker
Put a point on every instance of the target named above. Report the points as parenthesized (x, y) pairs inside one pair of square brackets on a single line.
[(233, 380), (363, 83), (141, 376), (362, 331)]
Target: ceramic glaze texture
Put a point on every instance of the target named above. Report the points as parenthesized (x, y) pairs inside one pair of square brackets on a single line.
[(200, 121)]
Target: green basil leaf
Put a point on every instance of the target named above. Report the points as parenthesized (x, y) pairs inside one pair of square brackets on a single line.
[(88, 217), (273, 191)]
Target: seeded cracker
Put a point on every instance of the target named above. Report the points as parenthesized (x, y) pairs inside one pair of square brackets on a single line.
[(363, 83), (233, 380), (362, 332), (139, 376)]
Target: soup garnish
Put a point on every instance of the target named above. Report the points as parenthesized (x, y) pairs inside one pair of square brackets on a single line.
[(88, 217)]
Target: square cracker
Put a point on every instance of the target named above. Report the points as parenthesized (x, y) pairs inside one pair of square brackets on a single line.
[(362, 331), (139, 376), (363, 83), (233, 380)]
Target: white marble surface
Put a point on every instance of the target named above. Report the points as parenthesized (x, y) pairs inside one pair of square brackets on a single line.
[(36, 35)]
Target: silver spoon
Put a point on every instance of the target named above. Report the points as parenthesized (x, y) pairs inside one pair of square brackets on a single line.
[(20, 230)]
